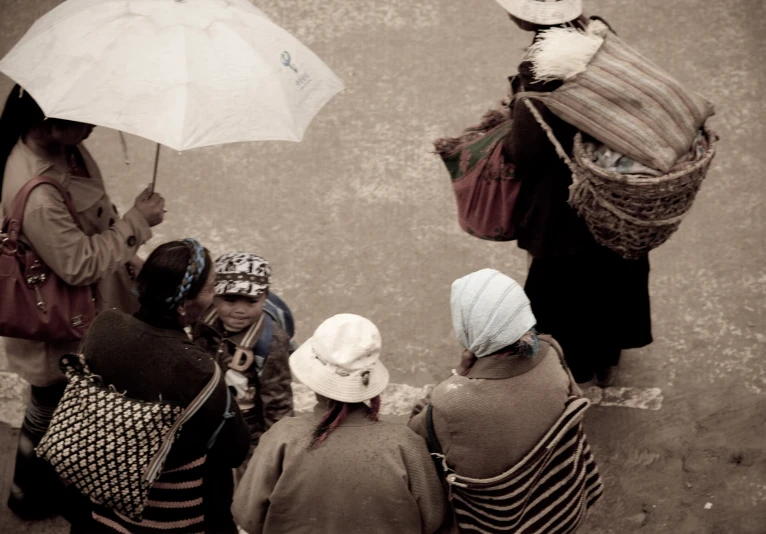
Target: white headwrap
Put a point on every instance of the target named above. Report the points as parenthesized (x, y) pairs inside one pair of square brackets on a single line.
[(490, 311)]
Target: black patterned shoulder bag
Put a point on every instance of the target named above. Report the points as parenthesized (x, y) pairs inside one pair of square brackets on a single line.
[(111, 447)]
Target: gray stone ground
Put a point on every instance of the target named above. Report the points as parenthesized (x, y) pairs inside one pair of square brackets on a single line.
[(360, 218)]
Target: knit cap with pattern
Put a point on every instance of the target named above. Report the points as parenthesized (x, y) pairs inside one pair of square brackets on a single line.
[(241, 273), (490, 311)]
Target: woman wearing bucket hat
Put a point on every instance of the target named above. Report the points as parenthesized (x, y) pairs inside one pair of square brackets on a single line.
[(509, 391), (340, 469), (573, 282)]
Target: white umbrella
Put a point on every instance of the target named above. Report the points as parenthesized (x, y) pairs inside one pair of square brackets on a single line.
[(183, 73)]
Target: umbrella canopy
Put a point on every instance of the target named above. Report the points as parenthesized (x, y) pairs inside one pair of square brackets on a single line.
[(184, 73)]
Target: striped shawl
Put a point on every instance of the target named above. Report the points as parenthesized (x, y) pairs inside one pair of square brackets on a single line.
[(631, 105), (547, 492)]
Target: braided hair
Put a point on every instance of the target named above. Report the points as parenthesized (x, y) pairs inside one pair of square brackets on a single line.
[(173, 273), (335, 415), (193, 272)]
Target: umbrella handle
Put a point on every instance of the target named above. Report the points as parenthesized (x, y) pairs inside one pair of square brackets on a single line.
[(156, 164)]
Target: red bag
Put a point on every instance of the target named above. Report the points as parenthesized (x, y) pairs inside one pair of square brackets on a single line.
[(484, 182), (36, 304)]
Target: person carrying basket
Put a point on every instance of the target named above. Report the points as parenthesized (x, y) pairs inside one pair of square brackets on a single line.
[(610, 151)]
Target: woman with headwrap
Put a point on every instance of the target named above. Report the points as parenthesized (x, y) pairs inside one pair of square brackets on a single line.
[(508, 393)]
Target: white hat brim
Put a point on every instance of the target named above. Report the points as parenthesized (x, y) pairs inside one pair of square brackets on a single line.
[(323, 379), (543, 13)]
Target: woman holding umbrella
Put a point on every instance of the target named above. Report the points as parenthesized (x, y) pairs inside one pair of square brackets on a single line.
[(102, 253)]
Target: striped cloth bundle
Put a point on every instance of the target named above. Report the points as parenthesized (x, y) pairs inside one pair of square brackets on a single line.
[(175, 504), (548, 492), (630, 104)]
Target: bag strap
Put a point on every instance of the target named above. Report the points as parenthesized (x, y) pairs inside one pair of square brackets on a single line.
[(14, 220), (560, 352), (155, 465), (254, 332), (226, 415), (433, 442), (526, 96)]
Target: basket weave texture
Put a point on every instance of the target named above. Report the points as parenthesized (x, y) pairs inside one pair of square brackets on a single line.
[(630, 213), (633, 214)]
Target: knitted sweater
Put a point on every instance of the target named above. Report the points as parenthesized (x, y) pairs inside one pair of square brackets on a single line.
[(488, 420), (149, 361), (367, 477)]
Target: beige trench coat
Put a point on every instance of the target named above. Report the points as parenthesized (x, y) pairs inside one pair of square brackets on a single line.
[(97, 255)]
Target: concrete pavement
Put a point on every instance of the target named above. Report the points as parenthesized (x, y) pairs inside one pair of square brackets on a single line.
[(360, 218)]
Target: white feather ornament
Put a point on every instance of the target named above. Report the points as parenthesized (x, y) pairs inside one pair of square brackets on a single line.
[(561, 53)]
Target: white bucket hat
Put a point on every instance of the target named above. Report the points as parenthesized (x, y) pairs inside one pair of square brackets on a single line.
[(341, 360), (490, 311), (543, 12)]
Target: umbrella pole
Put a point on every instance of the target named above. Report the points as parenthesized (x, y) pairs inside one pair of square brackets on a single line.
[(156, 164)]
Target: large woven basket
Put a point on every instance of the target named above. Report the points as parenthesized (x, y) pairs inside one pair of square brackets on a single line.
[(630, 213)]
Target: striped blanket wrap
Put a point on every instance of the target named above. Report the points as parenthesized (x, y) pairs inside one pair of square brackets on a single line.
[(547, 492), (631, 105)]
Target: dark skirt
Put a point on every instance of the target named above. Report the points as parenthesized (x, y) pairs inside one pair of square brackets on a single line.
[(594, 304)]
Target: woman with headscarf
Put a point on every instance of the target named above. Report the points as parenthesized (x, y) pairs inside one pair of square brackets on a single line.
[(501, 410), (340, 469), (102, 253), (573, 282), (149, 356)]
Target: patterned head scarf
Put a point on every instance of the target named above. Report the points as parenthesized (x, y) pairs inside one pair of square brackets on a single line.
[(241, 273)]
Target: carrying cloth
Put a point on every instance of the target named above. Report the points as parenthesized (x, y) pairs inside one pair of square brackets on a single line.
[(631, 105), (549, 490), (483, 180), (36, 304), (112, 448)]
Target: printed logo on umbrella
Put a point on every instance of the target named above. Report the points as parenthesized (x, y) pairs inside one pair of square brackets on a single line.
[(302, 80)]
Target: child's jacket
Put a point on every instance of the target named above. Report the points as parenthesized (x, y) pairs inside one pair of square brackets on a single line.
[(255, 366)]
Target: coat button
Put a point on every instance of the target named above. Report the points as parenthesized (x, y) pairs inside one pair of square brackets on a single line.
[(132, 241)]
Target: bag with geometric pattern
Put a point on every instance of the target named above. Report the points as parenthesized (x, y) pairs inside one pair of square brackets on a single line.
[(109, 446)]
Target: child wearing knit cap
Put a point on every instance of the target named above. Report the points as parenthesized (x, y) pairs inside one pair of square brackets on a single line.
[(248, 331)]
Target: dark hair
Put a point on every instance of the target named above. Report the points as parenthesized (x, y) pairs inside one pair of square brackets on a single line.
[(334, 417), (526, 347), (20, 114), (163, 274)]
